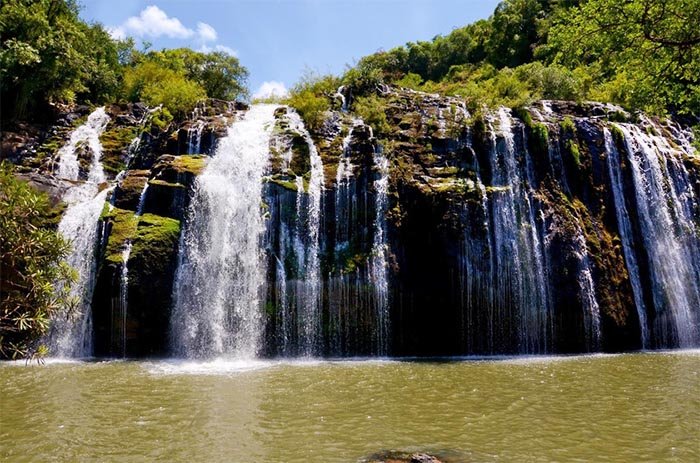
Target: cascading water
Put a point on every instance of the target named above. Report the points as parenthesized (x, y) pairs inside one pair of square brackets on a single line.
[(666, 206), (194, 133), (220, 279), (626, 234), (122, 309), (516, 249), (589, 300), (88, 135), (309, 303), (378, 262), (70, 334)]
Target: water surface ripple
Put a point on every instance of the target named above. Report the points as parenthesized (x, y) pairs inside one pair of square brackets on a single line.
[(636, 407)]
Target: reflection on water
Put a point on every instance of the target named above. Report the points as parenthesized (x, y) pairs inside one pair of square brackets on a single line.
[(640, 407)]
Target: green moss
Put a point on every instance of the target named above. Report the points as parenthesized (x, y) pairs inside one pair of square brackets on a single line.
[(573, 149), (496, 189), (524, 115), (115, 142), (156, 237), (568, 126), (118, 138), (618, 116), (300, 154), (123, 227), (284, 182), (617, 133), (696, 138), (190, 163), (538, 141), (353, 262)]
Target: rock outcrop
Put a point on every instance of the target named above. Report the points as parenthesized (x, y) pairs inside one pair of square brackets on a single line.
[(501, 229)]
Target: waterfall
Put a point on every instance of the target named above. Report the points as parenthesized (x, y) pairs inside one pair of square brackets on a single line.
[(345, 208), (309, 303), (626, 236), (194, 137), (343, 101), (218, 287), (378, 262), (589, 301), (666, 208), (70, 334), (87, 134), (517, 256), (119, 319), (123, 307), (343, 195)]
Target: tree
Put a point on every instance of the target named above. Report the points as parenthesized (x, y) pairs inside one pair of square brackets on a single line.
[(155, 84), (49, 55), (219, 74), (34, 278), (647, 50)]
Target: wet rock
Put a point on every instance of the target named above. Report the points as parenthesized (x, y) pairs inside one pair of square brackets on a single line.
[(403, 457), (128, 192)]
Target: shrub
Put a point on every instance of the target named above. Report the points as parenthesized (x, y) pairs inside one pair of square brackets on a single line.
[(156, 85), (311, 97), (371, 110), (34, 281)]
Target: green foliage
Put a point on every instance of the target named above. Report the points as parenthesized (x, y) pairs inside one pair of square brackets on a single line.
[(538, 142), (161, 118), (219, 74), (642, 54), (568, 126), (410, 80), (35, 280), (646, 52), (156, 84), (574, 150), (365, 77), (311, 97), (553, 82), (372, 111), (49, 55)]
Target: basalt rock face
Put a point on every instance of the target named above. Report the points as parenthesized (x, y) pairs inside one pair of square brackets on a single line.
[(562, 227), (133, 296), (529, 231)]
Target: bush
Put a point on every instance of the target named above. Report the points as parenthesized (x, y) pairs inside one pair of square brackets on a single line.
[(364, 78), (311, 97), (410, 80), (371, 110), (33, 268), (552, 82), (156, 85)]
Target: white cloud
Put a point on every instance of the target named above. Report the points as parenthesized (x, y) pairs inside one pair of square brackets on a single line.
[(154, 22), (224, 48), (206, 32), (117, 33), (271, 89)]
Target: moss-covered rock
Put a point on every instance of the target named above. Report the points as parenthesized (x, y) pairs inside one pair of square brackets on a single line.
[(128, 193), (120, 225), (115, 142)]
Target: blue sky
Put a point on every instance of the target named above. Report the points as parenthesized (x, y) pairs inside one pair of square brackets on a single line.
[(278, 39)]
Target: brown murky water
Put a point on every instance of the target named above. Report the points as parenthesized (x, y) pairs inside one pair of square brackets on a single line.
[(637, 407)]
